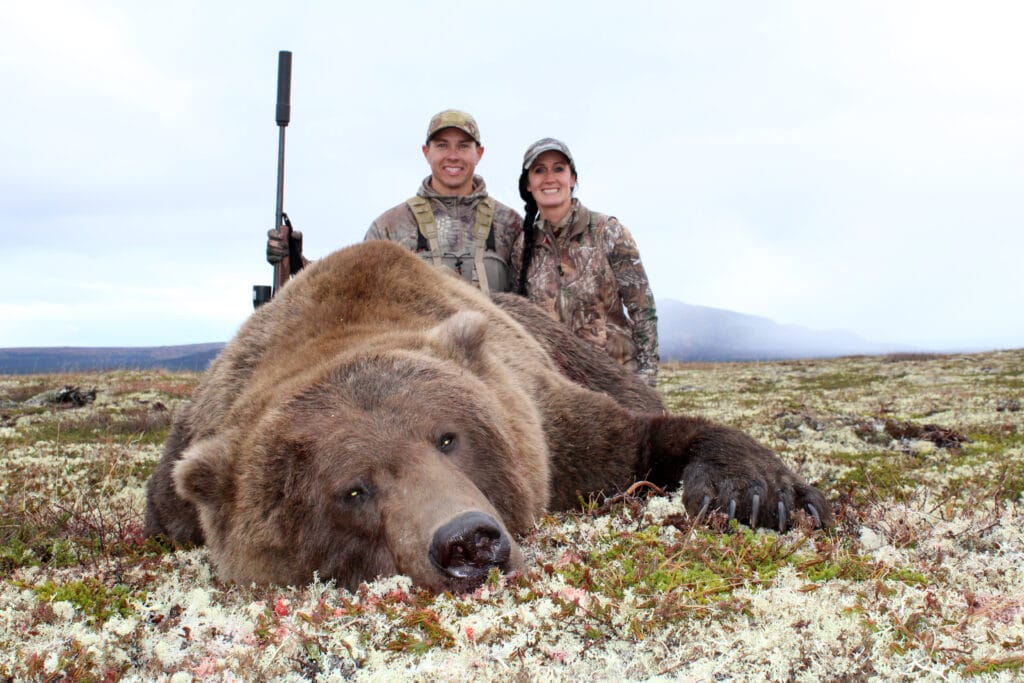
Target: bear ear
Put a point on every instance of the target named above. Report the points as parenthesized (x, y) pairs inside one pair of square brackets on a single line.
[(461, 336), (203, 475)]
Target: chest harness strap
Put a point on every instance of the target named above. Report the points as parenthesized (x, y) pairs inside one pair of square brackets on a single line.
[(481, 239)]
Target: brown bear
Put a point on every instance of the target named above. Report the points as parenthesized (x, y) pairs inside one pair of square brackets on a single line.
[(379, 417)]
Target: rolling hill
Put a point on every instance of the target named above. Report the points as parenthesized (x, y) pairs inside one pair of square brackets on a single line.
[(686, 333)]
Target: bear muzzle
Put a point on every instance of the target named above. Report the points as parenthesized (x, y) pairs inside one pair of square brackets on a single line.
[(465, 549)]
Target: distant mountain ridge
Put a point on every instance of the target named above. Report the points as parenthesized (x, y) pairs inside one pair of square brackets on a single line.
[(29, 360), (701, 333), (686, 332)]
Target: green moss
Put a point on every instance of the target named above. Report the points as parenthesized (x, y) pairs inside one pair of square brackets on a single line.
[(33, 540), (139, 426), (908, 576), (25, 390), (1006, 483), (831, 381), (684, 402), (703, 569), (89, 596), (980, 667), (41, 533), (879, 474), (427, 632), (758, 387), (1008, 435)]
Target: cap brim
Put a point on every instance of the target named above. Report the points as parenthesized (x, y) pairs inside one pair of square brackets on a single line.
[(546, 148), (464, 130)]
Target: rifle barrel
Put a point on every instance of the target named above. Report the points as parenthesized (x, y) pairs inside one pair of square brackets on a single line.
[(282, 271)]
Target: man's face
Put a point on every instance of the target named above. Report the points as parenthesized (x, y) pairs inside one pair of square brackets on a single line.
[(453, 157)]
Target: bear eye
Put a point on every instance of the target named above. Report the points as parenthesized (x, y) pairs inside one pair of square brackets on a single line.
[(446, 444), (354, 494)]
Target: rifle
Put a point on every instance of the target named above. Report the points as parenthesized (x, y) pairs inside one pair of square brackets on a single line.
[(283, 270)]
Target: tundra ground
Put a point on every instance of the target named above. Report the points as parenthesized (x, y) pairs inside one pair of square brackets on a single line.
[(922, 458)]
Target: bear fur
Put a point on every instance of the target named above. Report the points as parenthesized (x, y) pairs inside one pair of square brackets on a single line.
[(380, 417)]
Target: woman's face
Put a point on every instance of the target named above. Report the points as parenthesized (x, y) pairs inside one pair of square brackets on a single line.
[(550, 180)]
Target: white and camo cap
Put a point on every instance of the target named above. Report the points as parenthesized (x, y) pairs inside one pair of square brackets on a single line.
[(547, 145)]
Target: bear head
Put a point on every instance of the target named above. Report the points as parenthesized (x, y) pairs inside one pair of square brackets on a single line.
[(414, 454)]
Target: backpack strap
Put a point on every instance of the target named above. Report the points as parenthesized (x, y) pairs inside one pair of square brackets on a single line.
[(424, 216), (483, 237)]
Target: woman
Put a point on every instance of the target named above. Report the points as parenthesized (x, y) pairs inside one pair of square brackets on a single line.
[(582, 267)]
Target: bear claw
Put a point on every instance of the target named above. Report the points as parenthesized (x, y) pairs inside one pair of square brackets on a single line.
[(755, 507), (704, 505), (814, 513), (782, 517)]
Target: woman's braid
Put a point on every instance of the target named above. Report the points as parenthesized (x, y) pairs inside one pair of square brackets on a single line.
[(529, 231)]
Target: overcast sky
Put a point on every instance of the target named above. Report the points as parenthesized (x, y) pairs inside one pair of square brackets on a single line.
[(854, 166)]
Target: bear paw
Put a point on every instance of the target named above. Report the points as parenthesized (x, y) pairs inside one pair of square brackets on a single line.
[(723, 469), (756, 489)]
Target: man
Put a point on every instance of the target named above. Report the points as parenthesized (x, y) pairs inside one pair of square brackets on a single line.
[(451, 221)]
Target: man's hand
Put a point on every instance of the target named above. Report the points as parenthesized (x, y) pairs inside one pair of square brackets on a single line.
[(277, 246)]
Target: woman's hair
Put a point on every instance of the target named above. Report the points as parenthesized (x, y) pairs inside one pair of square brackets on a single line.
[(529, 231)]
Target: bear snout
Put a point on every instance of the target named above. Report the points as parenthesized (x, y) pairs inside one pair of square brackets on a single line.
[(466, 548)]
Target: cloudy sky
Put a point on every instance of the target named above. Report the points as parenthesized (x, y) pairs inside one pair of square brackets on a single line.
[(854, 166)]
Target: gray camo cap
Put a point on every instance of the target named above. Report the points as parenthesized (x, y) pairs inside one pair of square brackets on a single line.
[(547, 145)]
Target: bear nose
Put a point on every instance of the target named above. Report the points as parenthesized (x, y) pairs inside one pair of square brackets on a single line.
[(466, 548)]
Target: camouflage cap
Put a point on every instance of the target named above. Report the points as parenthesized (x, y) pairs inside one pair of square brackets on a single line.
[(453, 118), (547, 145)]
